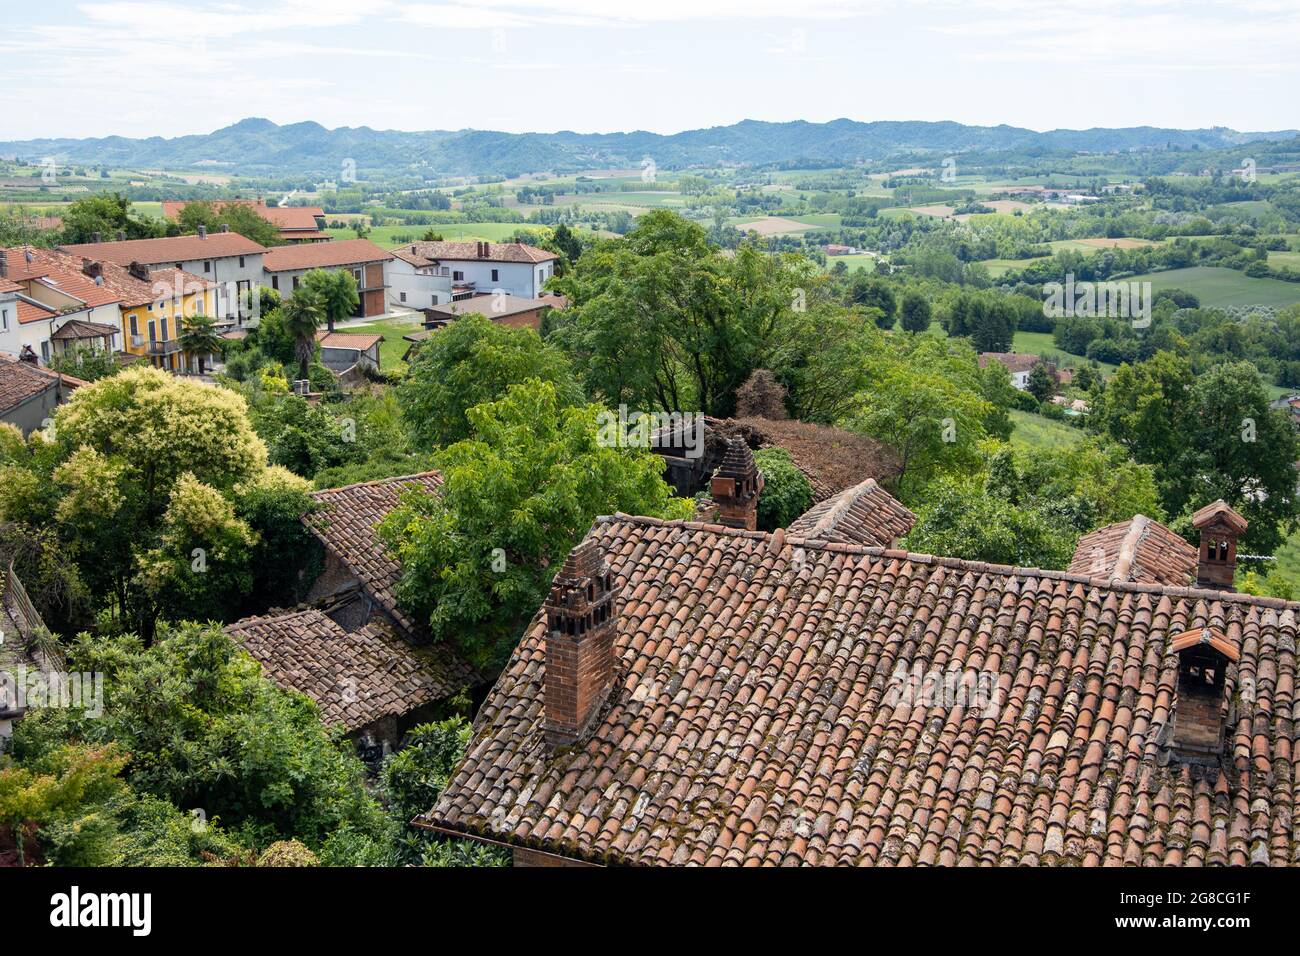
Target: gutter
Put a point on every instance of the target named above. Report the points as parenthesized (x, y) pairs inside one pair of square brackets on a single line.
[(462, 835)]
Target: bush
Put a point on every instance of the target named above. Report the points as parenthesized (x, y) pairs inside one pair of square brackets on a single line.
[(787, 492)]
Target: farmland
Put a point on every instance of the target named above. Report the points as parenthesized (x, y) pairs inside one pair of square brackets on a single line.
[(1217, 287)]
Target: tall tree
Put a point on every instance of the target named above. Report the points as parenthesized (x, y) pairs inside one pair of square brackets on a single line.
[(302, 313), (336, 291), (198, 337)]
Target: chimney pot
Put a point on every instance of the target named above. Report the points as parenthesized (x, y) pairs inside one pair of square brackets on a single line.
[(1204, 656), (121, 236), (225, 227), (1220, 528), (4, 265), (735, 487), (97, 237), (203, 232), (581, 619)]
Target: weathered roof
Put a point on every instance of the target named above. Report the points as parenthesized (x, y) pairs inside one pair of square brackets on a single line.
[(421, 254), (290, 219), (762, 714), (345, 340), (862, 514), (1139, 549), (357, 677), (345, 522), (1219, 511), (22, 381), (67, 272), (497, 305), (82, 329), (323, 255), (832, 458), (172, 249), (30, 311)]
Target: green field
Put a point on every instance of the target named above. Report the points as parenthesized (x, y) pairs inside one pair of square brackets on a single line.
[(1034, 432), (859, 261), (1218, 288), (1284, 259), (491, 231), (393, 347)]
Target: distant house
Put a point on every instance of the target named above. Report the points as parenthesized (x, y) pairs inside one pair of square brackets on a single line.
[(835, 249), (1018, 364), (29, 394), (284, 267), (423, 269), (345, 352), (296, 223), (231, 263), (502, 309)]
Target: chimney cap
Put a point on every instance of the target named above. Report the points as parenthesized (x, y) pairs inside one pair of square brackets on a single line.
[(1211, 636), (1220, 511)]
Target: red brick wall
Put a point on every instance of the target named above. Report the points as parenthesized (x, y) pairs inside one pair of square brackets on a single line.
[(578, 673)]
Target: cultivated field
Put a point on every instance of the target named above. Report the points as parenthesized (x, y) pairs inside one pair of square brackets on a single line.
[(1217, 287)]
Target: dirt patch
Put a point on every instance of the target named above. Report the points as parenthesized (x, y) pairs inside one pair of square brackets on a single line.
[(773, 226), (1104, 243), (943, 212)]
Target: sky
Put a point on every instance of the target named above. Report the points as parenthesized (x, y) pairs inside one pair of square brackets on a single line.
[(174, 67)]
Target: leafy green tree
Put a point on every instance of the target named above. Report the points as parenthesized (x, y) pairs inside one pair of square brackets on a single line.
[(199, 337), (84, 363), (472, 361), (336, 291), (104, 215), (204, 729), (517, 495), (787, 492), (915, 312), (1042, 383), (872, 293), (960, 518), (988, 319), (240, 218), (924, 400)]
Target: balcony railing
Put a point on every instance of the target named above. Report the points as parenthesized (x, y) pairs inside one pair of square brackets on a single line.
[(164, 346)]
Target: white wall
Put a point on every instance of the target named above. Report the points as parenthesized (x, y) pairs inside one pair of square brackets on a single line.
[(421, 288), (227, 273), (10, 342), (523, 279)]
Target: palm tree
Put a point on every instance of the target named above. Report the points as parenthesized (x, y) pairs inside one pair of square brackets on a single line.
[(336, 291), (199, 337), (302, 314)]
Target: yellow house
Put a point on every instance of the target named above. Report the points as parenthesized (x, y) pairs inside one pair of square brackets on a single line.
[(154, 304)]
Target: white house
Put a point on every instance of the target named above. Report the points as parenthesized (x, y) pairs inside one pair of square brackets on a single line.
[(55, 306), (426, 272), (227, 259), (9, 341)]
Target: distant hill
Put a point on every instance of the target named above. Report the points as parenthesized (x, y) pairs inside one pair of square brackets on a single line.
[(259, 147)]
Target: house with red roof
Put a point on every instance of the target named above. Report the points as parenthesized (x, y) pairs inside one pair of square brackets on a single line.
[(425, 274), (296, 223), (285, 266), (55, 307)]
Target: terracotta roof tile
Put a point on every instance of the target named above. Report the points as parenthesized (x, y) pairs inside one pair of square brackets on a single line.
[(323, 255), (21, 381), (357, 677), (1138, 550), (347, 340), (863, 514), (756, 717), (171, 249), (422, 254), (345, 522)]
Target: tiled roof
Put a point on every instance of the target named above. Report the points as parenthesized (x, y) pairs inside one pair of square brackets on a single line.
[(833, 459), (7, 286), (345, 523), (290, 219), (345, 340), (81, 329), (1138, 550), (863, 514), (420, 254), (1014, 361), (168, 249), (323, 255), (20, 381), (118, 283), (29, 311), (762, 713), (1219, 511), (357, 677)]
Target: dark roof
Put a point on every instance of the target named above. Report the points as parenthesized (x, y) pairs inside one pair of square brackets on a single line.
[(863, 514), (82, 329), (345, 523), (357, 677), (833, 459), (760, 714), (1219, 511), (496, 305), (1140, 550), (21, 382)]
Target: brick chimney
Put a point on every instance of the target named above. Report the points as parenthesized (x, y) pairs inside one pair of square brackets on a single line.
[(1203, 659), (139, 270), (736, 486), (1220, 528), (581, 618), (92, 269)]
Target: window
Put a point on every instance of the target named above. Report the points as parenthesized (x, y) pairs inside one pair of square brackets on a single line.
[(496, 275), (458, 276), (4, 320), (403, 296), (164, 330), (179, 265), (275, 282), (207, 265), (45, 351), (241, 262), (135, 324), (295, 282)]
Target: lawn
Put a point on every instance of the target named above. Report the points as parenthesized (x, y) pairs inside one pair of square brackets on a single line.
[(386, 236), (1034, 432), (859, 261), (1218, 288), (393, 347), (1041, 343)]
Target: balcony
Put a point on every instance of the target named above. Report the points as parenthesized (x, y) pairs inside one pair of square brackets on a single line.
[(164, 347)]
